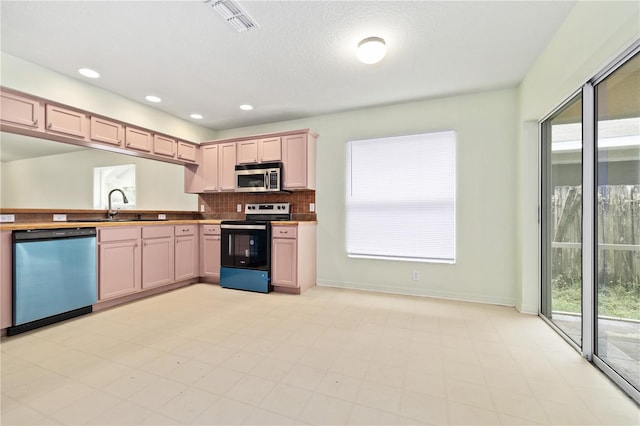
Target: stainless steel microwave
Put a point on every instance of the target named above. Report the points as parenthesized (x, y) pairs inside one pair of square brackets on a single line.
[(265, 177)]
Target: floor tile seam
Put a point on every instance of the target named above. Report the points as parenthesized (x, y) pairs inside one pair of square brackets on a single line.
[(159, 410), (119, 401), (45, 415), (533, 397)]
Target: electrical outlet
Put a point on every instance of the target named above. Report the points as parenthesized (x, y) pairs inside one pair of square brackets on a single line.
[(201, 208), (239, 208), (415, 276), (312, 207), (59, 217), (7, 218), (162, 216)]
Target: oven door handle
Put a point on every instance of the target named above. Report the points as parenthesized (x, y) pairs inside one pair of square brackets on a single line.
[(257, 227)]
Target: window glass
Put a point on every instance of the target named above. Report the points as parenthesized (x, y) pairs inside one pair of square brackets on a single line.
[(106, 179)]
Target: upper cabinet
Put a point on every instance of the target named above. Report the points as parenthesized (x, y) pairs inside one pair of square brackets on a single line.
[(139, 139), (66, 121), (187, 151), (163, 145), (299, 161), (263, 150), (106, 131), (21, 111)]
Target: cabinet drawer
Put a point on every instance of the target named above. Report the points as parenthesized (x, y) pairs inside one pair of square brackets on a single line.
[(284, 232), (211, 229), (118, 234), (157, 231), (185, 230)]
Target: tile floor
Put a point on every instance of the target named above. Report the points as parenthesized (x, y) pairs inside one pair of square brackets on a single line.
[(205, 355)]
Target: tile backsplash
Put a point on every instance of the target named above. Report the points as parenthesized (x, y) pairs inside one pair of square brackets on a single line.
[(222, 205)]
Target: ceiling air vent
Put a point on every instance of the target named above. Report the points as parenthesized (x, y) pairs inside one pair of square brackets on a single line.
[(233, 14)]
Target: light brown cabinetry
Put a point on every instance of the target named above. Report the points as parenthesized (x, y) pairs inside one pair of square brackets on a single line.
[(165, 146), (186, 252), (119, 262), (138, 139), (299, 161), (6, 280), (210, 168), (106, 131), (66, 121), (247, 151), (210, 253), (293, 257), (187, 151), (157, 256), (21, 111), (227, 166), (261, 150)]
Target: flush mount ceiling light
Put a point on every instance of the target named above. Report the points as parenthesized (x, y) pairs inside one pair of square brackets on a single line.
[(152, 98), (246, 107), (233, 14), (371, 50), (196, 116), (87, 72)]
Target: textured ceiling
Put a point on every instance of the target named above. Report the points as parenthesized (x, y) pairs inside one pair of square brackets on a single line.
[(299, 63)]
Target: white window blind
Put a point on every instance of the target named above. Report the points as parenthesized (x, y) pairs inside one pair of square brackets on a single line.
[(401, 198)]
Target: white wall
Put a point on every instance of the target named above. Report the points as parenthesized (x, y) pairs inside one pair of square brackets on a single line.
[(486, 158), (65, 181), (592, 35)]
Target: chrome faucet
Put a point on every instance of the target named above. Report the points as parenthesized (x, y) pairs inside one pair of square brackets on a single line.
[(111, 213)]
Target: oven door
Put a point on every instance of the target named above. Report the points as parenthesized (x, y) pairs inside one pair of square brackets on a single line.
[(245, 246)]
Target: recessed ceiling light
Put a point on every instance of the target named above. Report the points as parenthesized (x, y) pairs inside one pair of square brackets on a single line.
[(371, 50), (246, 107), (87, 72), (196, 116), (152, 98)]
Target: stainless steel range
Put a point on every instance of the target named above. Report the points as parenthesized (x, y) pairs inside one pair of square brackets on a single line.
[(246, 247)]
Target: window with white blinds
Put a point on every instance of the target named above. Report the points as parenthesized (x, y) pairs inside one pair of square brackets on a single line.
[(401, 198)]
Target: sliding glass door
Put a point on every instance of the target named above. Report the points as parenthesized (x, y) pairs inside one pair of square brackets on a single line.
[(562, 219), (590, 220), (617, 221)]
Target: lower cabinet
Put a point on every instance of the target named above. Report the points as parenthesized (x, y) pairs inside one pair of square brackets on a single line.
[(186, 252), (210, 253), (157, 256), (293, 257), (6, 280), (119, 262)]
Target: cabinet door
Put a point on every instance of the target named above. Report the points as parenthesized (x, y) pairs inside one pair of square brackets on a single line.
[(227, 166), (66, 121), (138, 139), (157, 262), (270, 149), (187, 151), (247, 151), (294, 159), (284, 262), (119, 269), (210, 256), (186, 265), (210, 167), (20, 111), (164, 146), (106, 131), (6, 280)]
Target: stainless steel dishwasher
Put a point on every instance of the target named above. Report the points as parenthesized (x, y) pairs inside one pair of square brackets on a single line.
[(54, 276)]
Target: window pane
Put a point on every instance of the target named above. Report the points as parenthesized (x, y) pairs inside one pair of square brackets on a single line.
[(107, 178), (562, 219), (618, 221), (401, 197)]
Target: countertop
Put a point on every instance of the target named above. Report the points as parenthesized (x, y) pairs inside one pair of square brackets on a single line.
[(54, 225)]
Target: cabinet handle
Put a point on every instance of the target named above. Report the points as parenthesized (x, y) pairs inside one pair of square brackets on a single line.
[(35, 123), (284, 232), (49, 126)]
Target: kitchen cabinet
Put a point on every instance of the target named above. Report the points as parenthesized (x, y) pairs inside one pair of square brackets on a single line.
[(163, 145), (157, 256), (262, 150), (293, 257), (66, 121), (119, 262), (299, 161), (227, 166), (106, 131), (186, 252), (138, 139), (210, 253), (187, 151), (6, 280), (210, 168), (21, 111)]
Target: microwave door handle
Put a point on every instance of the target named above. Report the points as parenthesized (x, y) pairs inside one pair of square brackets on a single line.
[(266, 180)]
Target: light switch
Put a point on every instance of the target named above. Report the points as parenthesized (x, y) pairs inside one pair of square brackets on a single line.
[(312, 207), (7, 218), (59, 217), (202, 208), (239, 208), (162, 216)]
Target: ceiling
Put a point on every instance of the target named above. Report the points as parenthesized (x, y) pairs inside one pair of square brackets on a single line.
[(300, 62)]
